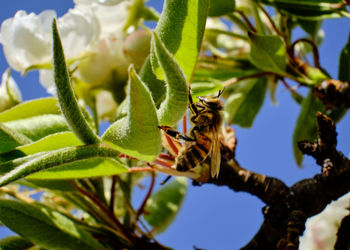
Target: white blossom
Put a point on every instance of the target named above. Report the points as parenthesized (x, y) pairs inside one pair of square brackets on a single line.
[(104, 2), (111, 18), (321, 229), (26, 39)]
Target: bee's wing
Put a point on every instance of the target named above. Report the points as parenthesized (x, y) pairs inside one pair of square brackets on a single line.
[(215, 154)]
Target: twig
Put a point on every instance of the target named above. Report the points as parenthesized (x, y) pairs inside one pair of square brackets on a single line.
[(112, 198), (256, 75), (251, 26), (144, 202), (271, 21), (316, 56), (106, 211), (141, 169), (184, 124)]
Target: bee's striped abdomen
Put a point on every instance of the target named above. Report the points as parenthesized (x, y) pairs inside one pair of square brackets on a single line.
[(192, 156)]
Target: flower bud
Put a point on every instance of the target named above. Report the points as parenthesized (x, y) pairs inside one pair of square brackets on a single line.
[(137, 47), (9, 92)]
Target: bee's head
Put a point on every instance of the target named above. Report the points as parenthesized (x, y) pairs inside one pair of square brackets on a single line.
[(212, 103)]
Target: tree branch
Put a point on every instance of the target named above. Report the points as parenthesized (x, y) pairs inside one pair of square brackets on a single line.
[(289, 207)]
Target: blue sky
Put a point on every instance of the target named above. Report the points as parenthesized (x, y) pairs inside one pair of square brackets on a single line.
[(215, 217)]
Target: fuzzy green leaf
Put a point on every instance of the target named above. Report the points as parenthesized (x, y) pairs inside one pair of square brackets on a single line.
[(65, 94), (311, 9), (51, 142), (137, 134), (306, 126), (45, 226), (164, 205), (41, 106), (175, 104), (7, 166), (244, 103), (156, 86), (10, 139), (268, 53), (37, 127), (187, 20), (60, 157), (93, 167), (221, 7), (15, 243), (344, 63)]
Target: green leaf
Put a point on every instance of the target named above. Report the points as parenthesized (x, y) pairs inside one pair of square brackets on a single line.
[(164, 205), (221, 7), (244, 103), (60, 157), (10, 155), (211, 69), (175, 104), (15, 243), (41, 106), (156, 86), (205, 88), (187, 21), (44, 226), (311, 27), (37, 127), (311, 9), (268, 53), (344, 63), (137, 134), (65, 94), (55, 185), (306, 126), (10, 139), (93, 167), (51, 142), (9, 165)]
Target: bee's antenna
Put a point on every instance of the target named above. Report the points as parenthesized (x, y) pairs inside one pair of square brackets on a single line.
[(220, 92)]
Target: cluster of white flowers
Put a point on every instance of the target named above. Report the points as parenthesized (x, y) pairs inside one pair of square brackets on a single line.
[(93, 39), (321, 229)]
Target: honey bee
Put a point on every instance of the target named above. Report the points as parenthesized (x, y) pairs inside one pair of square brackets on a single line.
[(204, 136)]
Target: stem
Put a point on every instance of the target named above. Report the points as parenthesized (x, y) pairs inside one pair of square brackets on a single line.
[(271, 21), (227, 33), (172, 144), (237, 79), (315, 53), (235, 18), (116, 223), (143, 204), (245, 18), (112, 198), (141, 169), (166, 157), (163, 163), (184, 124)]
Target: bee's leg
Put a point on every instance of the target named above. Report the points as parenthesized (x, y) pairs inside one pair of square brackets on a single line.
[(192, 105), (176, 134), (166, 180)]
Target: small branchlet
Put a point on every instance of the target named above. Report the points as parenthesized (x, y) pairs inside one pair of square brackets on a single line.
[(324, 150), (334, 94)]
